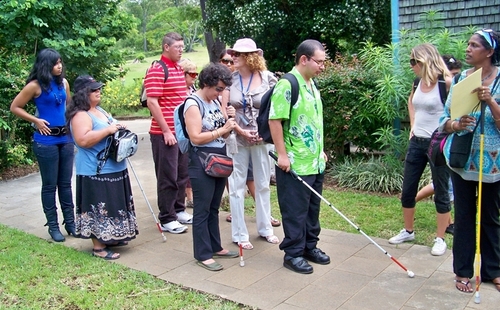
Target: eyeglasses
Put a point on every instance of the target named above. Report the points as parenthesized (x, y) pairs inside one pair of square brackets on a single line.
[(413, 62), (177, 47), (238, 54), (227, 61), (95, 90), (219, 89), (194, 75), (318, 62)]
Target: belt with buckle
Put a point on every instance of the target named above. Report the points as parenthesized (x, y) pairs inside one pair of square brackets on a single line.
[(58, 131)]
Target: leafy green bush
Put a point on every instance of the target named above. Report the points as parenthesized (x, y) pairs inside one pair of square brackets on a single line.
[(120, 99), (383, 174), (13, 154), (140, 57), (348, 117), (15, 133)]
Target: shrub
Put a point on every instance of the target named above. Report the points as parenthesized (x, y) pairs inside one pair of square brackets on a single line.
[(140, 57), (13, 154), (15, 133), (383, 174), (120, 99), (345, 90)]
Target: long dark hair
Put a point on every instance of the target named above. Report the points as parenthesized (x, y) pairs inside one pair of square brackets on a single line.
[(79, 102), (45, 61)]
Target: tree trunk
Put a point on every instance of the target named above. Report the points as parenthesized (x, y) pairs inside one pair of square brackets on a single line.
[(214, 46)]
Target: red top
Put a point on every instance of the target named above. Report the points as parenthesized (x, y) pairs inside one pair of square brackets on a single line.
[(170, 94)]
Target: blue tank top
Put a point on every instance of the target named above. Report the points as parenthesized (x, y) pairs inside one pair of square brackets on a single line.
[(51, 106), (86, 157)]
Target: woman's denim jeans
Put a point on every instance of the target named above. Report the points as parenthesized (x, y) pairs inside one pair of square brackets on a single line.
[(56, 170)]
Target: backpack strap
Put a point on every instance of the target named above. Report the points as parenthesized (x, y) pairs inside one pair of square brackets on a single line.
[(181, 112), (442, 89), (441, 84), (415, 84), (165, 69), (295, 89)]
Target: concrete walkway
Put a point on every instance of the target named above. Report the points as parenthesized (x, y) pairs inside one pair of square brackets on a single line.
[(360, 276)]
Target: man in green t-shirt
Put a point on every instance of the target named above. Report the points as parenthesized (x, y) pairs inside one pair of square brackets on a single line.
[(299, 146)]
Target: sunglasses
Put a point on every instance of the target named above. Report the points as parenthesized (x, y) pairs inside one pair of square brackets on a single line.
[(219, 89), (227, 61), (413, 62), (95, 90), (194, 75), (238, 54)]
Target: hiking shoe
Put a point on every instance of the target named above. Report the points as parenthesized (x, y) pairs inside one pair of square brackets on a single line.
[(174, 227), (184, 218), (439, 247), (403, 236), (450, 229)]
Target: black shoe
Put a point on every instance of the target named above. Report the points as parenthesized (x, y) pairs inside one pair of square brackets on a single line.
[(450, 229), (317, 256), (297, 264)]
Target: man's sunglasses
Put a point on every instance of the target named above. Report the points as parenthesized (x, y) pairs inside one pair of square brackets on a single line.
[(194, 75), (227, 61)]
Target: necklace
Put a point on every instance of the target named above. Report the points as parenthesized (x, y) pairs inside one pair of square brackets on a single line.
[(487, 77)]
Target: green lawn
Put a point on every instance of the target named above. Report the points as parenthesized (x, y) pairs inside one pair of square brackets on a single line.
[(138, 70)]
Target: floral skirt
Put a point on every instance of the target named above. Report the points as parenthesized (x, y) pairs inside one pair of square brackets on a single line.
[(105, 207)]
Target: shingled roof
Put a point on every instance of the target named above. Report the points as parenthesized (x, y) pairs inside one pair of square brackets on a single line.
[(457, 14)]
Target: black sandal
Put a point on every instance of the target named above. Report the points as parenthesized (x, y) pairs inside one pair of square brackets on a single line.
[(109, 254)]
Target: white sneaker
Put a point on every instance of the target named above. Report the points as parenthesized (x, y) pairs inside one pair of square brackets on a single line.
[(184, 218), (403, 236), (174, 227), (439, 247)]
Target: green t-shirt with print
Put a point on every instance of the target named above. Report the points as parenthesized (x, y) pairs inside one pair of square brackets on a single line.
[(303, 134)]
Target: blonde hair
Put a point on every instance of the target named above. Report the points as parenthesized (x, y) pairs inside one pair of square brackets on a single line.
[(431, 63), (187, 65), (255, 62)]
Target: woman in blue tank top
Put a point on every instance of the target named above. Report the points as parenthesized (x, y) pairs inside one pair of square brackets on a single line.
[(52, 144), (104, 203)]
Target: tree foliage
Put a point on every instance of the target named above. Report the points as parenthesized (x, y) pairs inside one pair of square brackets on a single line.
[(151, 26), (84, 32), (279, 26)]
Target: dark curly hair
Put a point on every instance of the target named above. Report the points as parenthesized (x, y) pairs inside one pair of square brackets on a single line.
[(80, 101), (212, 74), (45, 61)]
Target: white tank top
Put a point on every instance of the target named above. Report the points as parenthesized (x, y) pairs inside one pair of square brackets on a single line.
[(428, 109)]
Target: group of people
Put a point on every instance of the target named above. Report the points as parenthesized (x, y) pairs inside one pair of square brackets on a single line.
[(225, 106), (427, 113), (104, 203)]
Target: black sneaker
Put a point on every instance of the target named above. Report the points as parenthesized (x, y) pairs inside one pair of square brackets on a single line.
[(297, 264), (317, 256), (450, 229)]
